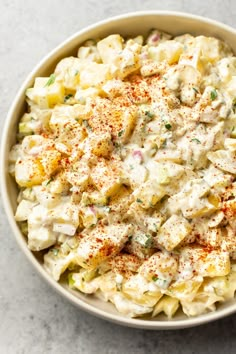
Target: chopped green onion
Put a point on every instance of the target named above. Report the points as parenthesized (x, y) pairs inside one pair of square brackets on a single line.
[(194, 89), (139, 200), (67, 97), (117, 145), (214, 94), (49, 181), (51, 80), (168, 126), (196, 140), (120, 133), (149, 114), (154, 278), (130, 238)]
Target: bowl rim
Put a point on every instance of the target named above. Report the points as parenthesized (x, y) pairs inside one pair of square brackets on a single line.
[(115, 318)]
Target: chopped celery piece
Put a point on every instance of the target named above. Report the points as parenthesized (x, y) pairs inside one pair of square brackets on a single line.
[(25, 128)]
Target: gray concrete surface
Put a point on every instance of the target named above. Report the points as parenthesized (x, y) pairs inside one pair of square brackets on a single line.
[(33, 318)]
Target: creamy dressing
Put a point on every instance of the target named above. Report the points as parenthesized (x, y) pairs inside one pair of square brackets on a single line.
[(126, 163)]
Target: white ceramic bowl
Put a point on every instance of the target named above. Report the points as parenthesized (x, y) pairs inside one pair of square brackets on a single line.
[(128, 24)]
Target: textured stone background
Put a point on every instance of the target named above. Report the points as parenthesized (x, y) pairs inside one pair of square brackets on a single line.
[(33, 318)]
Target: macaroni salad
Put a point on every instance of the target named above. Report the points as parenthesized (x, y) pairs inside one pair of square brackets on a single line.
[(126, 163)]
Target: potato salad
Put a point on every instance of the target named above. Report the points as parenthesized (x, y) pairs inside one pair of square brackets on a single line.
[(125, 162)]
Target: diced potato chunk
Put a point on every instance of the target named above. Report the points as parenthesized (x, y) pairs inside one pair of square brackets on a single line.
[(137, 288), (128, 307), (224, 160), (56, 263), (106, 177), (44, 197), (127, 61), (149, 193), (169, 51), (44, 94), (68, 70), (160, 268), (34, 144), (212, 49), (168, 305), (101, 144), (84, 282), (15, 153), (192, 57), (204, 261), (185, 289), (110, 47), (41, 238), (173, 231), (23, 210), (29, 172), (102, 243), (230, 144), (50, 160), (202, 303), (95, 75)]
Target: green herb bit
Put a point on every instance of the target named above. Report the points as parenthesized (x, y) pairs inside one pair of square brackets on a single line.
[(214, 94), (76, 72), (233, 129), (67, 97), (130, 238), (51, 80), (139, 200), (55, 251), (149, 114), (121, 132), (194, 89), (49, 181), (154, 278), (196, 140), (168, 126)]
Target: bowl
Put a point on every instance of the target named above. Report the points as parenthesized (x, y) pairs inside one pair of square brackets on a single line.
[(128, 24)]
